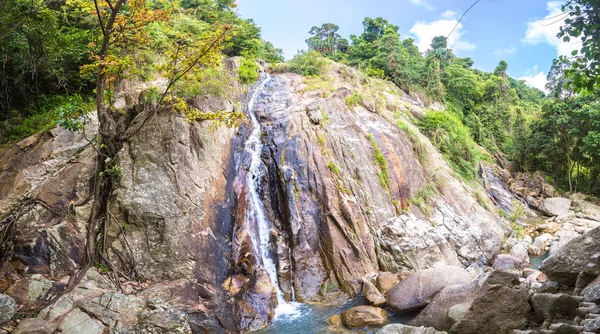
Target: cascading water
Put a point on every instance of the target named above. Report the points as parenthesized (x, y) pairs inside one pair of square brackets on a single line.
[(256, 211)]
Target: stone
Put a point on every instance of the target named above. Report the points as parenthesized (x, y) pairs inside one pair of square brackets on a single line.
[(519, 253), (451, 304), (8, 308), (457, 312), (165, 321), (505, 262), (592, 325), (386, 281), (76, 322), (335, 320), (315, 116), (501, 309), (581, 253), (373, 295), (592, 292), (35, 326), (418, 289), (361, 316), (540, 244), (404, 329), (546, 305), (555, 206), (549, 287), (438, 315)]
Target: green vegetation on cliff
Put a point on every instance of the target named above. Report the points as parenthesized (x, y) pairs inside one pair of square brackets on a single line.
[(558, 134), (50, 51)]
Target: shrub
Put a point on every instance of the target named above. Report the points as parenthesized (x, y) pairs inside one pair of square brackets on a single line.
[(354, 100), (381, 161), (249, 71), (64, 109), (334, 168), (305, 63), (452, 138)]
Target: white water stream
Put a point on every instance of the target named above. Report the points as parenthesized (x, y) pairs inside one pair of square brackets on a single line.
[(255, 209)]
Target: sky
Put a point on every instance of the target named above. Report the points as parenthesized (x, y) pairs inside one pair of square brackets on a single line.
[(521, 32)]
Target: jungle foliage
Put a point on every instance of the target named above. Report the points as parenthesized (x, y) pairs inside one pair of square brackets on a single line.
[(49, 51), (490, 114)]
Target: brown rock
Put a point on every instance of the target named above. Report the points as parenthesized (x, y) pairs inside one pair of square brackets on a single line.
[(361, 316), (35, 326), (501, 310), (386, 281), (372, 294), (234, 283)]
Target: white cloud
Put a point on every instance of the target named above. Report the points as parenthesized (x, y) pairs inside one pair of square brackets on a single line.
[(544, 30), (423, 3), (535, 78), (426, 31), (506, 51), (449, 14)]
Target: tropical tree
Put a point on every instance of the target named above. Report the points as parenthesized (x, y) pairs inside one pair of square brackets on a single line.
[(326, 40), (583, 23)]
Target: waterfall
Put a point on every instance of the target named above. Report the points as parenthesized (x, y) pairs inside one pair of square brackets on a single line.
[(255, 210)]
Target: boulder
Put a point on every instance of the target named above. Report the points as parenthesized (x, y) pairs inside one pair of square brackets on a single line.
[(452, 303), (386, 281), (501, 309), (418, 289), (437, 313), (540, 244), (364, 315), (372, 294), (591, 325), (8, 308), (555, 206), (505, 262), (592, 292), (546, 305), (403, 329), (519, 253), (566, 263), (562, 237), (35, 326)]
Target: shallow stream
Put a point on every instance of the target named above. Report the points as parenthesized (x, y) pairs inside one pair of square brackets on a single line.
[(313, 319)]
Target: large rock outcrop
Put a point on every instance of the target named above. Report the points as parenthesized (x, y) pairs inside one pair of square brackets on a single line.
[(582, 254), (343, 190)]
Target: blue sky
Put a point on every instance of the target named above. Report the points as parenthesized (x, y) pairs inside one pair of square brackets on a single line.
[(520, 32)]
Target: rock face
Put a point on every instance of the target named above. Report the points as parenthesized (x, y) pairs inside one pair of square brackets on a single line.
[(580, 254), (555, 206), (337, 186), (418, 289), (361, 316)]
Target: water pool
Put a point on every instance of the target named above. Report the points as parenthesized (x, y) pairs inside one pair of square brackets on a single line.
[(312, 318)]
